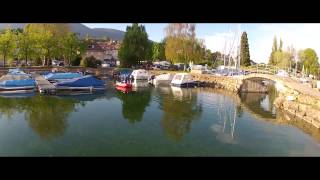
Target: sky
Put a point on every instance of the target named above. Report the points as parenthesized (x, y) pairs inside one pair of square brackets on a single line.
[(260, 35)]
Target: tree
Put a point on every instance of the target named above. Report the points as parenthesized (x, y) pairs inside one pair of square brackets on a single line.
[(135, 45), (7, 45), (310, 60), (280, 46), (274, 49), (244, 51), (72, 47), (182, 45), (25, 44), (158, 51), (49, 38)]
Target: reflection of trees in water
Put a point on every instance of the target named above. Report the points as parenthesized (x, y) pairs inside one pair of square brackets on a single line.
[(134, 104), (47, 116), (10, 106), (179, 112)]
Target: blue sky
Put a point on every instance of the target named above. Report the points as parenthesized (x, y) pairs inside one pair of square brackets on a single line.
[(260, 35)]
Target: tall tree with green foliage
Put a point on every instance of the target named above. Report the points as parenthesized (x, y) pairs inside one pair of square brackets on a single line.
[(72, 47), (49, 38), (158, 51), (26, 44), (244, 51), (7, 45), (310, 60), (135, 46), (274, 49)]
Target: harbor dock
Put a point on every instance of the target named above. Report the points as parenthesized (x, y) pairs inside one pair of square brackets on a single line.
[(43, 85)]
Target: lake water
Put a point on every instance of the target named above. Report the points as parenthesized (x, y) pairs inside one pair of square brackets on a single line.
[(150, 121)]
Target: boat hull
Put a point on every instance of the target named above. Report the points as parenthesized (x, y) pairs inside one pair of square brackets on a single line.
[(187, 85), (124, 85)]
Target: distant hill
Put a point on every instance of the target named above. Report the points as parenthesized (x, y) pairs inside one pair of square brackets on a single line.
[(81, 29)]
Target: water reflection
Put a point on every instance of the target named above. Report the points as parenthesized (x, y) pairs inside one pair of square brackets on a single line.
[(134, 104), (46, 115), (180, 108), (260, 104)]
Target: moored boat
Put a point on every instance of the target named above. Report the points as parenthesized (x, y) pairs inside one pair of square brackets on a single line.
[(163, 79), (184, 80), (58, 77), (123, 84), (140, 74), (87, 82), (17, 80)]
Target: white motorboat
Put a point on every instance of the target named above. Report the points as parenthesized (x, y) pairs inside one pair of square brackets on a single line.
[(184, 80), (163, 79), (140, 74)]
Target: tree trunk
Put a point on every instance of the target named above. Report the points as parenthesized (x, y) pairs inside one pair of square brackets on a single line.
[(44, 61), (4, 60), (26, 59)]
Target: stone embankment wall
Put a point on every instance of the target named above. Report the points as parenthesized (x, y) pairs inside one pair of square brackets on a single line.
[(220, 82), (301, 106)]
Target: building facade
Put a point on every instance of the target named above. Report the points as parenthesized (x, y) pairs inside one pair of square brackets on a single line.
[(105, 51)]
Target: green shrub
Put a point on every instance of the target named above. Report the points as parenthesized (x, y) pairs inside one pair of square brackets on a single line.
[(76, 61), (90, 62)]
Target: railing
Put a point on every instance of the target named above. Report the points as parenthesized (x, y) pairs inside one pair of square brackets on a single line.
[(262, 69)]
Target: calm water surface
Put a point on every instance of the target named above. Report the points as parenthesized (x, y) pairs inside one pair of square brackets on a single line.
[(150, 121)]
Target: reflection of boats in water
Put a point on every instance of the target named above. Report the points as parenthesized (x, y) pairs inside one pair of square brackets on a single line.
[(139, 85), (17, 93), (83, 96), (181, 93)]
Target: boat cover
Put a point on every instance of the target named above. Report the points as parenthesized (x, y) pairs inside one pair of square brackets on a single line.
[(54, 76), (15, 71), (85, 81), (18, 83)]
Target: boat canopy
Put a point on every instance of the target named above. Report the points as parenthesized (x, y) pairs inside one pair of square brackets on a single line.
[(85, 81), (54, 76)]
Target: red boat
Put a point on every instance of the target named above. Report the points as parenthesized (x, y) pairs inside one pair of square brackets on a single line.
[(123, 84), (123, 89)]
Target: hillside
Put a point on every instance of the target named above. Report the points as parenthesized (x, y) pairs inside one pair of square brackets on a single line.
[(81, 29)]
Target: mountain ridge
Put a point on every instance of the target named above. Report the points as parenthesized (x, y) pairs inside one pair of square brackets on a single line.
[(81, 29)]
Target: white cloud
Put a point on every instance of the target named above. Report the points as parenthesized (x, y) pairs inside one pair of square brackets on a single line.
[(219, 41), (301, 36)]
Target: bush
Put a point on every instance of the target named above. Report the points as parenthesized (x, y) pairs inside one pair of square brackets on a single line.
[(76, 61), (90, 62)]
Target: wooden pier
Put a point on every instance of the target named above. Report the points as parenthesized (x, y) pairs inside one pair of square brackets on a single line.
[(43, 85)]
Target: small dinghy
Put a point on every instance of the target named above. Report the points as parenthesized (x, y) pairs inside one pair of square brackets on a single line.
[(87, 82)]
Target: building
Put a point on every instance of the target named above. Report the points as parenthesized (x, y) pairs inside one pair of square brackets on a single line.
[(106, 51)]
